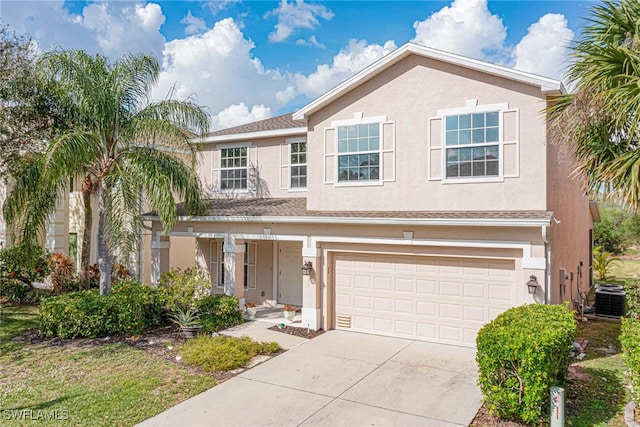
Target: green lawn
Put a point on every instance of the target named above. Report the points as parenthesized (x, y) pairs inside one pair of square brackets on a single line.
[(108, 385)]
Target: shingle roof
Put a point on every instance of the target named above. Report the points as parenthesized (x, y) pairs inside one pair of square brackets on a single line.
[(275, 123), (297, 207)]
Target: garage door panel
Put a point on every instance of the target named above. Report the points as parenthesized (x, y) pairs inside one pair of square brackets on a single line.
[(435, 299)]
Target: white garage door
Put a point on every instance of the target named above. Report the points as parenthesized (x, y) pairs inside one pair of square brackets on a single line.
[(443, 300)]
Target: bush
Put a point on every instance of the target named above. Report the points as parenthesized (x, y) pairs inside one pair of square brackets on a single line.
[(632, 290), (630, 340), (62, 272), (218, 312), (23, 263), (130, 309), (223, 353), (179, 289), (522, 353), (18, 292), (602, 262)]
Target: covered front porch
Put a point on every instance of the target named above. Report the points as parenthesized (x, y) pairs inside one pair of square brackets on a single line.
[(262, 269)]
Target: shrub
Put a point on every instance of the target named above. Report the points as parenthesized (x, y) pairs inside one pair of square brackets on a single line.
[(18, 292), (224, 353), (522, 353), (62, 272), (630, 340), (119, 273), (23, 263), (632, 290), (130, 309), (602, 262), (179, 289), (218, 312)]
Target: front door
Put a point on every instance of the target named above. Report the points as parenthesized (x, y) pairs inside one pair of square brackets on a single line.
[(290, 273)]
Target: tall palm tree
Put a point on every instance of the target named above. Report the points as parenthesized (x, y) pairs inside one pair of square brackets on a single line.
[(599, 121), (127, 149)]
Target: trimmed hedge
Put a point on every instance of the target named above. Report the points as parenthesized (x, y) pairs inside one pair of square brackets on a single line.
[(632, 290), (218, 312), (522, 353), (630, 340), (130, 309)]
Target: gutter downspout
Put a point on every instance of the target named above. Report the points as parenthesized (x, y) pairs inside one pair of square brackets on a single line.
[(547, 281)]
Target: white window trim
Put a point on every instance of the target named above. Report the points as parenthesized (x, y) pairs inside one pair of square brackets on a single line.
[(471, 108), (290, 141), (358, 119), (218, 171)]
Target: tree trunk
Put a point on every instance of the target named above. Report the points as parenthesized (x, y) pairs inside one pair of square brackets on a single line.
[(104, 257), (85, 256)]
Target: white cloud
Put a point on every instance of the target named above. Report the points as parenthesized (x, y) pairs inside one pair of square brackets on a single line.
[(356, 56), (104, 28), (219, 5), (194, 24), (466, 27), (549, 35), (292, 16), (218, 66), (312, 41), (238, 114)]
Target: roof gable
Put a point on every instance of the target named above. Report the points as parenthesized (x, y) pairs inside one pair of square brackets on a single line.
[(545, 84)]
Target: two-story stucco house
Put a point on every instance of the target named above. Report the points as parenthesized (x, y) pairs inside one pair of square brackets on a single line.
[(424, 192)]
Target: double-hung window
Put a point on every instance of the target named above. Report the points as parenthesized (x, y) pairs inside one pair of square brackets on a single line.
[(233, 168), (359, 153), (298, 165), (473, 145)]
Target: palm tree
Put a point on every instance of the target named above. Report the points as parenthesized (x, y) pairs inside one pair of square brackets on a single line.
[(128, 150), (599, 122)]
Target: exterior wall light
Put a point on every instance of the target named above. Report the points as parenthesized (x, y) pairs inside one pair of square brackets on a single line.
[(306, 268), (532, 284)]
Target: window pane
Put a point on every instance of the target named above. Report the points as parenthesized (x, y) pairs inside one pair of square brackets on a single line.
[(452, 171), (342, 146), (478, 168), (374, 130), (353, 145), (492, 134), (465, 137), (353, 131), (375, 159), (452, 155), (342, 133), (302, 158), (452, 138), (478, 136), (492, 119), (465, 169), (465, 154), (492, 152), (478, 153), (478, 120), (492, 168), (465, 121), (363, 131), (363, 145), (343, 161), (375, 173), (353, 160), (374, 143), (452, 123)]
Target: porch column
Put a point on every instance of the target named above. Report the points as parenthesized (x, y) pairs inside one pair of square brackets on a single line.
[(229, 260), (239, 272), (311, 286), (160, 249)]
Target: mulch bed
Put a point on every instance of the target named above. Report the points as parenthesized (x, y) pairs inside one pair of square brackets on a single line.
[(298, 332)]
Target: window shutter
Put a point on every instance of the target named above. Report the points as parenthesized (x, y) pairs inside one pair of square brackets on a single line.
[(388, 151), (284, 166), (329, 155), (510, 143), (252, 250), (215, 263), (435, 149)]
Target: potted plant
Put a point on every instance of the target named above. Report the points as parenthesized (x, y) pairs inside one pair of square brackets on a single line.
[(289, 313), (188, 321), (251, 310)]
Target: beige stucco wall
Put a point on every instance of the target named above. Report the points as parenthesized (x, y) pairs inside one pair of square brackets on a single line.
[(569, 234), (268, 161), (409, 93)]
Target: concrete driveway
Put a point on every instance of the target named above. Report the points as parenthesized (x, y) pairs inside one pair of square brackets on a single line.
[(343, 379)]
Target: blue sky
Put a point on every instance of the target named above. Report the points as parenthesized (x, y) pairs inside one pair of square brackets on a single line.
[(250, 60)]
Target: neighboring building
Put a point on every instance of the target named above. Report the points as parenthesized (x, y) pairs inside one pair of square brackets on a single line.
[(423, 191)]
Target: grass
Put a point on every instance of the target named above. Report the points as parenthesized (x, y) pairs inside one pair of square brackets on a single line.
[(597, 396), (627, 269), (107, 385)]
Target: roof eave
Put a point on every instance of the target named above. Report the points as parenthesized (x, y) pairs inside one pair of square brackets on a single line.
[(255, 135), (458, 222)]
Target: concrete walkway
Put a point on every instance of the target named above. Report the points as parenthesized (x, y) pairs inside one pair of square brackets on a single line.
[(343, 379)]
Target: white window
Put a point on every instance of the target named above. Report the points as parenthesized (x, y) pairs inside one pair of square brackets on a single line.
[(233, 168), (359, 152), (217, 264), (298, 165), (472, 145)]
